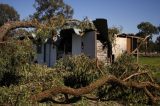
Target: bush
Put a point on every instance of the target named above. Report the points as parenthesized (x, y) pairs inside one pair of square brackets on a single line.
[(19, 76), (13, 56), (34, 79), (78, 71), (125, 64), (75, 72), (123, 67)]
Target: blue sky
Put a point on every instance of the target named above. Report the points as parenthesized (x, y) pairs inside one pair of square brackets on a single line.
[(125, 13)]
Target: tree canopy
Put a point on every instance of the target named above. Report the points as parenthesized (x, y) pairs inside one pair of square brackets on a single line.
[(147, 28), (45, 9), (7, 13)]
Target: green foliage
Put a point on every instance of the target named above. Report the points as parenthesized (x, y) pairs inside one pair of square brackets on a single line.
[(78, 71), (45, 9), (14, 95), (19, 76), (112, 31), (123, 94), (147, 28), (50, 29), (83, 102), (34, 79), (7, 13), (13, 56), (123, 65), (42, 35), (86, 24)]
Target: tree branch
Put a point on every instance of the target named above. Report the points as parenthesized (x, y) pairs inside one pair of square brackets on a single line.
[(135, 74), (17, 24), (140, 44), (153, 99)]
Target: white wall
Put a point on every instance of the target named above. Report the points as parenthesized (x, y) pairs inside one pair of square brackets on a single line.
[(90, 47), (76, 44), (120, 46)]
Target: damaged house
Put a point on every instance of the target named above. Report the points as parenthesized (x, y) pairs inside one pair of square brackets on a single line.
[(93, 42)]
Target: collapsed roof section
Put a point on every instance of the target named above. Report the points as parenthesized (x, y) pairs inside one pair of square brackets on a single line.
[(80, 27)]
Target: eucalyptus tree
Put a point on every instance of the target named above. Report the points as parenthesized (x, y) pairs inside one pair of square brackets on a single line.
[(147, 29), (45, 9), (7, 13)]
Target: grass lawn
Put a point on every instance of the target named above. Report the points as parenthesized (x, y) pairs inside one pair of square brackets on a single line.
[(153, 61)]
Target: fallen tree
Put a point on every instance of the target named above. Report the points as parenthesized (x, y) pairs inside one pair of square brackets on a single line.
[(124, 75), (100, 82), (54, 22), (41, 82)]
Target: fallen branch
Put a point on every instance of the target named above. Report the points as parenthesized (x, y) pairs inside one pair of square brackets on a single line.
[(4, 30), (88, 89), (97, 65), (153, 99), (135, 74), (16, 24), (140, 44)]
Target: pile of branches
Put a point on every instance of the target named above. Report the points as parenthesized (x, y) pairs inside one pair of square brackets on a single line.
[(146, 86), (126, 76)]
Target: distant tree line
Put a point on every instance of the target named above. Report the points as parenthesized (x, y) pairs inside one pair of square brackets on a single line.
[(148, 29)]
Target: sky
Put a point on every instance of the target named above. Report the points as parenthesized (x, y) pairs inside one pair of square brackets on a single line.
[(119, 13)]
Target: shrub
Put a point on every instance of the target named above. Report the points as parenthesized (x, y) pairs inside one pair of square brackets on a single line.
[(34, 79), (125, 64), (78, 71), (13, 56), (19, 76), (123, 67)]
